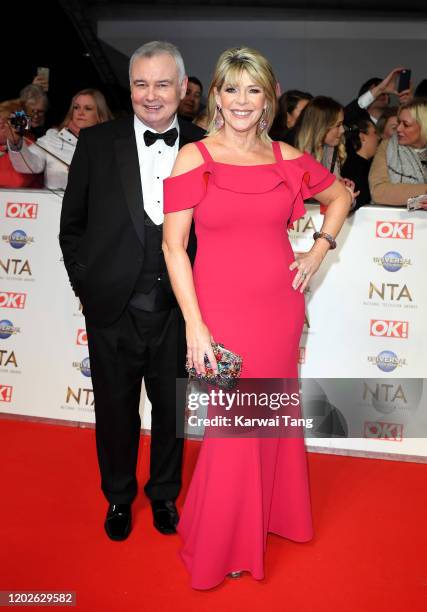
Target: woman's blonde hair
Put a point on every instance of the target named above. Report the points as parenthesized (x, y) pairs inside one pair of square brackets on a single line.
[(103, 112), (229, 69), (315, 121), (10, 106), (418, 110)]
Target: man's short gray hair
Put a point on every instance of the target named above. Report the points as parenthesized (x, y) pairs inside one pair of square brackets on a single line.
[(157, 47)]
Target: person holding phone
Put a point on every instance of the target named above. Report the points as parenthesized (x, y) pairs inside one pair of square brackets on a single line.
[(374, 96), (399, 168), (53, 152), (9, 177), (42, 78), (36, 103)]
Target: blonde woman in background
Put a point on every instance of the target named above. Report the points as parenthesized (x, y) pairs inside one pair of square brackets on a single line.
[(320, 132), (53, 152), (399, 168)]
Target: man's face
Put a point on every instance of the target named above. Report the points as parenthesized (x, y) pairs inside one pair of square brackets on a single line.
[(156, 91), (190, 105)]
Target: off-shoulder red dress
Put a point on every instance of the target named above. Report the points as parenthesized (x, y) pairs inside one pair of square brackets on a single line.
[(243, 488)]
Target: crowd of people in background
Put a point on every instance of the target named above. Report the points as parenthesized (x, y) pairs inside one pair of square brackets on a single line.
[(378, 149)]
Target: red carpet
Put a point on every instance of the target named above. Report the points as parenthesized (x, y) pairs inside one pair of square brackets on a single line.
[(369, 552)]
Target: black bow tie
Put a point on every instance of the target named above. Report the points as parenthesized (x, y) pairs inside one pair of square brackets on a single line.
[(169, 137)]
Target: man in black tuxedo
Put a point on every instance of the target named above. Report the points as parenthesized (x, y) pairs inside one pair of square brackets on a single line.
[(111, 237)]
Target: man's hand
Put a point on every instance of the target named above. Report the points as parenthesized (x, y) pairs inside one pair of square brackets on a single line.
[(388, 85)]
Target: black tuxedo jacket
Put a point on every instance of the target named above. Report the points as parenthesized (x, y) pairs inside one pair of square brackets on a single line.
[(102, 218)]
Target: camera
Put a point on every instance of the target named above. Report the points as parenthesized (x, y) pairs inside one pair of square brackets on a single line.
[(20, 122)]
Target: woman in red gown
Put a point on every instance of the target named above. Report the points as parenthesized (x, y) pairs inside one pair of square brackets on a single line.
[(246, 292)]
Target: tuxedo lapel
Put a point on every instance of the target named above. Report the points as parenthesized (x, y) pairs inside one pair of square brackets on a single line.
[(184, 137), (128, 164)]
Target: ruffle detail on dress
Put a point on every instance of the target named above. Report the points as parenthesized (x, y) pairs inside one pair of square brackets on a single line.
[(186, 190), (308, 177), (247, 179)]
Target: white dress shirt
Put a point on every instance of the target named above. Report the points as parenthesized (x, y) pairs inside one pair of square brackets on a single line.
[(155, 164), (366, 100)]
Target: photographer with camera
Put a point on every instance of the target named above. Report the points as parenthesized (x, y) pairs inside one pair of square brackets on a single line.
[(35, 103), (11, 115), (52, 153)]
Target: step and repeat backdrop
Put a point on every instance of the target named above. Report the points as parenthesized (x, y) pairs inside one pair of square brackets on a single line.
[(362, 355)]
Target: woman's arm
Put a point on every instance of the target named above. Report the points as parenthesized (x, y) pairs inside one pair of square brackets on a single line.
[(383, 191), (176, 230), (26, 159), (338, 202)]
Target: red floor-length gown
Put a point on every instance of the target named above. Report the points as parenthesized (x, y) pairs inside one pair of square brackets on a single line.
[(243, 488)]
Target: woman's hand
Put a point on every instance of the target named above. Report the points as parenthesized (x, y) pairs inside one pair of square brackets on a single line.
[(307, 264), (199, 344), (350, 186)]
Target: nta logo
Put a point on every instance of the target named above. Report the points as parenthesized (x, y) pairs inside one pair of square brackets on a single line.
[(16, 267), (305, 224), (81, 396), (390, 291), (8, 358)]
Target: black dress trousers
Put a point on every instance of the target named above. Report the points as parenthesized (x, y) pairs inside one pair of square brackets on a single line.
[(138, 345)]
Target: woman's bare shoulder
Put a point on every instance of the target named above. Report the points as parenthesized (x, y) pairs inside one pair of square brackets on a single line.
[(289, 152), (189, 157)]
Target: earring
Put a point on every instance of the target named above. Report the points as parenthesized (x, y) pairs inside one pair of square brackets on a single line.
[(263, 122), (219, 119)]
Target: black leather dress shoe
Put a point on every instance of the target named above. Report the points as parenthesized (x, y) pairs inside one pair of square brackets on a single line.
[(165, 516), (118, 521)]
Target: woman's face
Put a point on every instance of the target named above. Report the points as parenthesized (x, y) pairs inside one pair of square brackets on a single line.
[(242, 103), (390, 127), (291, 118), (369, 141), (37, 111), (85, 113), (409, 131), (334, 134)]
